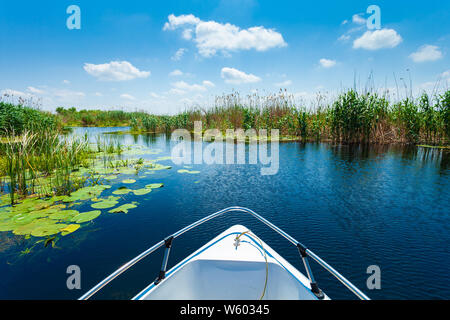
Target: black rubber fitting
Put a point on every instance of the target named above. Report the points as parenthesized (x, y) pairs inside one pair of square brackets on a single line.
[(302, 249), (168, 242), (317, 292), (162, 275)]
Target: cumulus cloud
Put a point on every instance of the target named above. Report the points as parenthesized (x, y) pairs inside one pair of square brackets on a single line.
[(176, 73), (211, 37), (66, 81), (182, 87), (35, 90), (127, 96), (234, 76), (357, 19), (344, 37), (179, 54), (182, 20), (426, 53), (327, 63), (378, 39), (15, 93), (115, 71), (68, 95)]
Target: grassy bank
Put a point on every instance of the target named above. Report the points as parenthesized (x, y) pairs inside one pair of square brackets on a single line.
[(352, 118)]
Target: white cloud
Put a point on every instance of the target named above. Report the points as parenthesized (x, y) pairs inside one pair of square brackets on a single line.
[(327, 63), (446, 74), (155, 95), (378, 39), (187, 34), (66, 81), (179, 54), (35, 90), (426, 53), (357, 19), (344, 37), (182, 87), (98, 94), (15, 93), (286, 83), (207, 83), (234, 76), (211, 37), (176, 91), (115, 71), (127, 96), (175, 22), (176, 73), (68, 95)]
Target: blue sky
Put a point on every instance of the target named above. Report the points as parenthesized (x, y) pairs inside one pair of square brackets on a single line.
[(165, 56)]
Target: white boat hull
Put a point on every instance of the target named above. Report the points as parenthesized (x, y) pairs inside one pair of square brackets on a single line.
[(221, 271)]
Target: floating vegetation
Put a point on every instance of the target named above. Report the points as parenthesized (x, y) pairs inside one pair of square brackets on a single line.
[(154, 185), (141, 192), (124, 208), (104, 204), (187, 171), (86, 216), (111, 177), (122, 190), (43, 199), (69, 229)]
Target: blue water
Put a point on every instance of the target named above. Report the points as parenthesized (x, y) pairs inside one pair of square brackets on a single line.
[(353, 206)]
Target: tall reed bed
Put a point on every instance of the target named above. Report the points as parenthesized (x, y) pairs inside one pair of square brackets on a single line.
[(351, 118), (42, 164)]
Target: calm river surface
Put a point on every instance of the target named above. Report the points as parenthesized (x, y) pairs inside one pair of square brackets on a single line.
[(353, 206)]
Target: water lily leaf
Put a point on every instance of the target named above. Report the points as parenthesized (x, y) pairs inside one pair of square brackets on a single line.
[(122, 190), (47, 229), (141, 192), (86, 216), (111, 177), (123, 208), (128, 181), (104, 204), (187, 171), (63, 215), (69, 229), (155, 185)]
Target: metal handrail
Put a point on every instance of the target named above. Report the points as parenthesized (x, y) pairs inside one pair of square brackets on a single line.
[(304, 252)]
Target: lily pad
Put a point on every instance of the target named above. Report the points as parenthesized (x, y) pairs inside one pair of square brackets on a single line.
[(155, 185), (123, 208), (104, 204), (122, 191), (69, 229), (187, 171), (47, 229), (141, 192), (63, 215), (86, 216), (128, 181), (111, 177)]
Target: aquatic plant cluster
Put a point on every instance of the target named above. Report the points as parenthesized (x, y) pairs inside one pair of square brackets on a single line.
[(37, 207), (352, 118)]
